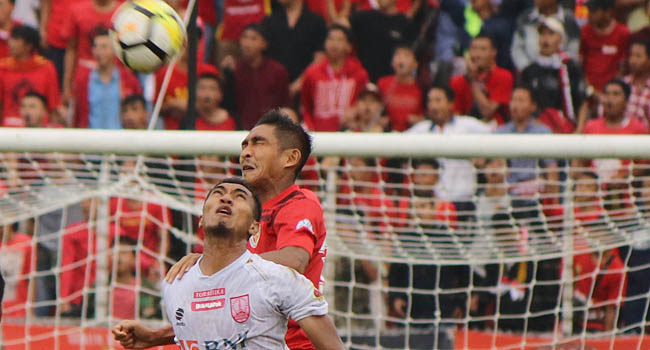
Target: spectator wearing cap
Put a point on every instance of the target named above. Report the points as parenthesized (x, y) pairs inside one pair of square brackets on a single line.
[(260, 83), (484, 92), (639, 80), (367, 113), (295, 36), (332, 85), (603, 45), (24, 71), (377, 33), (525, 44), (101, 89), (555, 78), (400, 91)]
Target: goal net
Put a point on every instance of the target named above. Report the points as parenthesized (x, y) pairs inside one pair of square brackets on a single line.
[(433, 242)]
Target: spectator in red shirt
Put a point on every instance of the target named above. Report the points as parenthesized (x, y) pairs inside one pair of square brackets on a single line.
[(331, 86), (484, 92), (261, 83), (15, 266), (33, 110), (25, 71), (6, 23), (366, 114), (175, 99), (400, 92), (86, 18), (101, 89), (208, 98), (237, 14), (639, 80), (603, 44)]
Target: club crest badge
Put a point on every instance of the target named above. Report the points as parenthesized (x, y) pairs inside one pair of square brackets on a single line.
[(254, 240), (240, 308)]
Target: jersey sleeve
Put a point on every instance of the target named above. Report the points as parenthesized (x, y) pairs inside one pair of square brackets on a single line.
[(298, 224), (295, 296)]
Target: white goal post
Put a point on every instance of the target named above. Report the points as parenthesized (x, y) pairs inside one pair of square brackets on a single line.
[(406, 268)]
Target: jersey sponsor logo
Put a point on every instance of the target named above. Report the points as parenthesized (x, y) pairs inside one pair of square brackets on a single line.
[(208, 304), (254, 240), (217, 292), (240, 308), (305, 223), (233, 343), (179, 317)]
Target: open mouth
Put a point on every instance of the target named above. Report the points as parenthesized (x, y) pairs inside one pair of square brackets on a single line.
[(247, 167), (224, 209)]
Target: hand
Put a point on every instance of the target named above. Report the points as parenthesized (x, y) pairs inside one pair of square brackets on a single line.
[(134, 335), (472, 68), (181, 267), (399, 305), (295, 87), (228, 62)]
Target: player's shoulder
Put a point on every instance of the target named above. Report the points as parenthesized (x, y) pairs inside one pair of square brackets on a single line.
[(265, 271), (301, 200)]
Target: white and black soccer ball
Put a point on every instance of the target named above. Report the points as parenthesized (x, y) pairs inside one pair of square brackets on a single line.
[(147, 34)]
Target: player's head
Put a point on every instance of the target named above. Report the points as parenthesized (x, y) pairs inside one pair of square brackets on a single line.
[(440, 104), (275, 148), (522, 104), (586, 187), (425, 172), (103, 47), (231, 208), (253, 41), (639, 58), (23, 41), (551, 36), (33, 109), (208, 92), (601, 12), (614, 99), (134, 112), (404, 61), (338, 43), (495, 171)]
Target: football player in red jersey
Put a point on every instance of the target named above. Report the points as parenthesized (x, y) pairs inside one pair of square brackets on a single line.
[(292, 225)]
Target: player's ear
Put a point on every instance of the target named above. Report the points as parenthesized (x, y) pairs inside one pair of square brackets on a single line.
[(254, 228), (201, 221), (292, 157)]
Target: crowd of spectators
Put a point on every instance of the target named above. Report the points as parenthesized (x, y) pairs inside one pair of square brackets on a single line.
[(413, 66)]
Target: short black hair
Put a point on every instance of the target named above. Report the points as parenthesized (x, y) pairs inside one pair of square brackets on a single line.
[(531, 93), (417, 162), (213, 77), (257, 210), (36, 95), (133, 99), (404, 46), (484, 35), (643, 42), (449, 93), (289, 135), (28, 34), (257, 28), (620, 82), (99, 31), (346, 31)]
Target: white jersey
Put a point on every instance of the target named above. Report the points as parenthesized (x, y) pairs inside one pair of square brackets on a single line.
[(245, 305)]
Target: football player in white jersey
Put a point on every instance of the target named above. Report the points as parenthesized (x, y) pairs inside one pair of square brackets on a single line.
[(231, 298)]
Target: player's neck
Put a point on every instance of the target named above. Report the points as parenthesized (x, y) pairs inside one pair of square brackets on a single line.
[(272, 188), (219, 252), (405, 78)]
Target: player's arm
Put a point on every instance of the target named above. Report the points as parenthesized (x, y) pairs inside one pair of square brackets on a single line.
[(321, 331), (135, 335), (296, 258), (69, 64)]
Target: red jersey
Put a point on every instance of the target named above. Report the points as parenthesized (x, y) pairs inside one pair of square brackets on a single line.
[(294, 218), (20, 77), (326, 94), (603, 55), (136, 218), (629, 126), (177, 88), (129, 85), (85, 20), (124, 298), (612, 283), (15, 264), (237, 14), (78, 246), (227, 125), (401, 100), (497, 84)]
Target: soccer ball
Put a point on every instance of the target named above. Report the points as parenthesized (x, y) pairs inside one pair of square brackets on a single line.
[(147, 34)]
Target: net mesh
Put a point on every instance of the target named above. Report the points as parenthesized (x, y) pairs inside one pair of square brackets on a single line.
[(446, 254)]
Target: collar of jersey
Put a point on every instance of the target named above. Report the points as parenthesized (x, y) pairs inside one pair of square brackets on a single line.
[(273, 201), (233, 265)]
